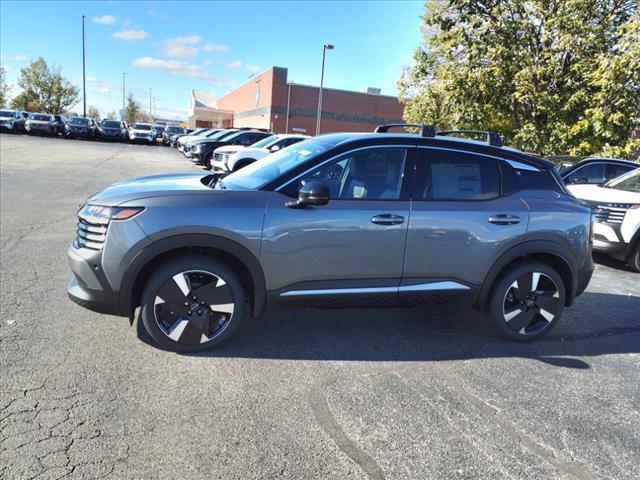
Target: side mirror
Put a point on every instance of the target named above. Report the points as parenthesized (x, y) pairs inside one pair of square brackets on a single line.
[(312, 193), (275, 148)]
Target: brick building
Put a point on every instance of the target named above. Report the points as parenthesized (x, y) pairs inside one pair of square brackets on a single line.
[(263, 102)]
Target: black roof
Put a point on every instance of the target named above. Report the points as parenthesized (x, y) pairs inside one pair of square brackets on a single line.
[(445, 141)]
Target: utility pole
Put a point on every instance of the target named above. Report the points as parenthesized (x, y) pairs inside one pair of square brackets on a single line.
[(286, 122), (325, 47), (150, 104), (123, 105), (84, 77)]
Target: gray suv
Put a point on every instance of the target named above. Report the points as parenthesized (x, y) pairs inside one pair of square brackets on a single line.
[(340, 220)]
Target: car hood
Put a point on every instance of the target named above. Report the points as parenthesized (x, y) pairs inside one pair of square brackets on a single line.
[(230, 149), (595, 193), (163, 185), (260, 152), (143, 132), (39, 122)]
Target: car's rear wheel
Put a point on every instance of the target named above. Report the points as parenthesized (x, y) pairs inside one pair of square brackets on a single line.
[(527, 301), (192, 303), (634, 260)]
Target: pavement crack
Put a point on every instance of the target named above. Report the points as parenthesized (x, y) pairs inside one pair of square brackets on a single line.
[(328, 423), (570, 467)]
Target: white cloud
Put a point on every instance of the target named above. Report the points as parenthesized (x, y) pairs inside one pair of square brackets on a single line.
[(177, 67), (215, 47), (234, 65), (105, 19), (181, 47), (14, 58), (128, 34), (152, 12)]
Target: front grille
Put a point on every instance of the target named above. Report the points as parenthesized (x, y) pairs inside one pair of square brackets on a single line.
[(221, 157), (91, 234), (607, 214)]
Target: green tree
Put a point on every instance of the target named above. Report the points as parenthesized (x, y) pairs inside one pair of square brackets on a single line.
[(44, 89), (552, 76), (93, 112), (132, 109), (4, 88)]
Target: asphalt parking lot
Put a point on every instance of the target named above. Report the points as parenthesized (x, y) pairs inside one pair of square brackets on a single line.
[(425, 393)]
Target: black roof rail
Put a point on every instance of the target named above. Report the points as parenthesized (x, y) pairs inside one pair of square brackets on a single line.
[(425, 130), (493, 139)]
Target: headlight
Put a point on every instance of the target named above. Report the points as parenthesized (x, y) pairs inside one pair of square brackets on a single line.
[(197, 148), (102, 215)]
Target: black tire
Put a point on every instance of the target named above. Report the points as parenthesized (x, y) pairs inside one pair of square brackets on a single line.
[(165, 319), (206, 161), (241, 164), (14, 129), (521, 310), (633, 262)]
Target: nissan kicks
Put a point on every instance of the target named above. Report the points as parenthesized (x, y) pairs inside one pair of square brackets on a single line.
[(339, 220)]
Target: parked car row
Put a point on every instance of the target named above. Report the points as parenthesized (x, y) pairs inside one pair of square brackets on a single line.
[(86, 128), (227, 150)]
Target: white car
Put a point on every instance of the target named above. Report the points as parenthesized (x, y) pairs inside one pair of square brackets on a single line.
[(142, 132), (198, 134), (234, 157), (616, 229)]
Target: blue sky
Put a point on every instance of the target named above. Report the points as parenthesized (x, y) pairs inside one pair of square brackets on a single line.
[(173, 47)]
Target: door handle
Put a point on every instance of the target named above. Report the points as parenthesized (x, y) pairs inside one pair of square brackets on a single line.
[(387, 219), (504, 219)]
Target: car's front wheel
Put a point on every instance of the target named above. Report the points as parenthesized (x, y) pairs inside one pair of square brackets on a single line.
[(527, 301), (634, 260), (192, 303)]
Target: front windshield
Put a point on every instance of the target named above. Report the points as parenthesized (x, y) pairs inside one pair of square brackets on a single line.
[(216, 134), (111, 124), (272, 166), (141, 126), (629, 182), (174, 130), (79, 121), (266, 142), (41, 118), (6, 114)]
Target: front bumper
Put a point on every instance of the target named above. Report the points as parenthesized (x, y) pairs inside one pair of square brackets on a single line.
[(607, 238), (219, 166), (86, 287), (5, 127)]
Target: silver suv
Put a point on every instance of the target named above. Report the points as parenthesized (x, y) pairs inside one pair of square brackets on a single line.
[(340, 220)]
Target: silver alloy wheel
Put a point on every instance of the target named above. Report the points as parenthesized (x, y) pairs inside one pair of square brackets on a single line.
[(531, 303), (193, 307)]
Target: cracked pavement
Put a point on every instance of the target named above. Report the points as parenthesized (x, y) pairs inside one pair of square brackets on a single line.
[(347, 394)]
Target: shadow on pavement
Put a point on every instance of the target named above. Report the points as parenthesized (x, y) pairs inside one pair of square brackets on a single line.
[(599, 324)]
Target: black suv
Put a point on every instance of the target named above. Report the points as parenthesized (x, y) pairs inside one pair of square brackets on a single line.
[(58, 124), (169, 132), (202, 150), (339, 220), (113, 130)]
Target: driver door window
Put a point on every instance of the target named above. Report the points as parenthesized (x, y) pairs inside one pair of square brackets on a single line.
[(593, 173), (368, 174)]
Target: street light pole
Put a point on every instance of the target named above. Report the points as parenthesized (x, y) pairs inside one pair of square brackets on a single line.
[(286, 122), (325, 47), (123, 106), (150, 105), (84, 77)]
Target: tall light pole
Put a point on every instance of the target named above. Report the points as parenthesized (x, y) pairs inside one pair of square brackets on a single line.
[(150, 103), (123, 75), (286, 122), (325, 47), (84, 78)]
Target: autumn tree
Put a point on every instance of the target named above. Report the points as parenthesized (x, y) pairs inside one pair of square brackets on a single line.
[(4, 87), (552, 76), (94, 113), (44, 89)]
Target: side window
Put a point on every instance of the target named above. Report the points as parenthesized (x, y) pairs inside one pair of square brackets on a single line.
[(368, 174), (592, 173), (614, 171), (443, 175)]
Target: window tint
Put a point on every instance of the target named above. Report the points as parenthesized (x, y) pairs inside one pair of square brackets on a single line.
[(592, 173), (371, 174), (446, 175), (614, 171)]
